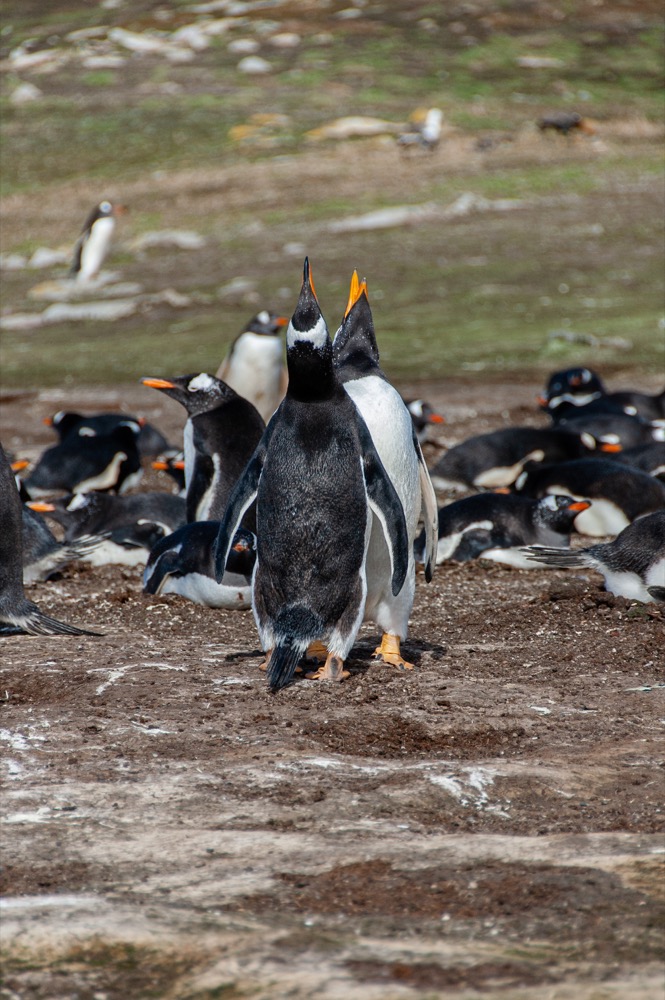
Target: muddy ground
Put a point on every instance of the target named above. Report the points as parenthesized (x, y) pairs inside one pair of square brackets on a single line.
[(489, 824)]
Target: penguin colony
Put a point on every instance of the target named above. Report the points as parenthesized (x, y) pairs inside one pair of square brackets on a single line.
[(300, 490)]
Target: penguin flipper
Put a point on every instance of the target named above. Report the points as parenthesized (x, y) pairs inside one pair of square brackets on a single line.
[(472, 545), (428, 512), (563, 558), (242, 497), (387, 506), (28, 618), (658, 593), (157, 573)]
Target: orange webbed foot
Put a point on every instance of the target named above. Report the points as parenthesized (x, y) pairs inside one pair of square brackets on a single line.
[(388, 652)]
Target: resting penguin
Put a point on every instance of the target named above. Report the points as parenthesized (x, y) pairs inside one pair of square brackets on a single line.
[(43, 554), (633, 565), (17, 613), (221, 432), (648, 458), (254, 365), (81, 464), (356, 358), (581, 390), (183, 563), (65, 422), (317, 478), (496, 526), (619, 493), (94, 242)]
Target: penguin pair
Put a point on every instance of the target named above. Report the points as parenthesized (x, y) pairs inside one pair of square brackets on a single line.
[(583, 389), (81, 463), (221, 432), (497, 458), (17, 613), (424, 416), (633, 565), (321, 491), (254, 364), (497, 526), (131, 526), (94, 243), (619, 494), (150, 441)]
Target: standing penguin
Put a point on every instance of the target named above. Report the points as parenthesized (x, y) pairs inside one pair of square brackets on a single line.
[(254, 365), (356, 357), (221, 432), (94, 242), (317, 478), (17, 613)]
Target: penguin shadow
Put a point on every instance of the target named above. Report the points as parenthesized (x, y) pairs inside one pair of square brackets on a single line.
[(361, 659)]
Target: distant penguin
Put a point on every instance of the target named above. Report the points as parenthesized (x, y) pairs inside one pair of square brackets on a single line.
[(649, 458), (317, 478), (633, 565), (183, 563), (425, 133), (497, 458), (17, 613), (423, 416), (65, 422), (94, 242), (565, 122), (221, 433), (618, 493), (611, 430), (254, 365), (356, 359), (80, 464), (43, 554), (173, 463), (131, 525), (496, 526), (582, 390)]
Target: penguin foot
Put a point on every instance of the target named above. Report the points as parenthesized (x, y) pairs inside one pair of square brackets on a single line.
[(316, 652), (332, 670), (388, 652)]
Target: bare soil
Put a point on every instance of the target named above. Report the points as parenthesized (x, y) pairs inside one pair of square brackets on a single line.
[(490, 823)]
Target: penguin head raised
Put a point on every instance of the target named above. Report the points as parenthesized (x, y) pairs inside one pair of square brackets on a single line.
[(197, 393), (355, 344), (309, 354)]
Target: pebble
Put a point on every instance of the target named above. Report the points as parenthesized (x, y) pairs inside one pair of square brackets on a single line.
[(254, 65), (25, 93), (243, 46)]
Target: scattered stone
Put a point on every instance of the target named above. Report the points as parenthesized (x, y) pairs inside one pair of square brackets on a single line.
[(254, 66), (45, 257), (103, 62), (243, 46), (25, 93), (44, 61), (540, 62), (355, 125), (178, 55), (68, 290), (285, 40), (62, 312), (139, 42), (170, 297), (20, 321), (12, 262), (237, 289), (191, 35), (85, 34), (182, 239)]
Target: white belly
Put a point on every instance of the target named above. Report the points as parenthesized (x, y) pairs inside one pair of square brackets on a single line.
[(95, 248), (255, 371), (201, 589), (602, 518)]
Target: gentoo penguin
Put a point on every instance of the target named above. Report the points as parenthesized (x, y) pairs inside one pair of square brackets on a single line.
[(356, 359), (423, 416), (221, 433), (650, 458), (583, 389), (565, 122), (43, 554), (173, 463), (183, 563), (17, 613), (497, 458), (254, 365), (619, 494), (80, 464), (131, 525), (94, 242), (317, 478), (495, 526), (611, 429), (426, 133), (633, 565), (151, 442)]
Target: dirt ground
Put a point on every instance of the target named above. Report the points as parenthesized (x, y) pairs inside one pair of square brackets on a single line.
[(489, 824)]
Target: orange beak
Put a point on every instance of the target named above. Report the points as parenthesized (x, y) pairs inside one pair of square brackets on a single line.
[(160, 466), (41, 506), (48, 421), (178, 465), (158, 383), (282, 321), (353, 293), (608, 447), (579, 505), (541, 400), (20, 465), (501, 489), (120, 210), (436, 418)]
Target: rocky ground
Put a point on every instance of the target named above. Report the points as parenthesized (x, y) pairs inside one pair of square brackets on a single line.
[(489, 823)]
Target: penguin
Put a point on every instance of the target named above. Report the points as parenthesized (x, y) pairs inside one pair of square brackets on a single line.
[(254, 364), (356, 360), (584, 390), (426, 133), (497, 458), (649, 458), (221, 433), (182, 563), (17, 613), (619, 494), (80, 464), (151, 442), (633, 565), (423, 416), (94, 242), (131, 525), (43, 554), (317, 479), (173, 463), (496, 526), (565, 122), (611, 429)]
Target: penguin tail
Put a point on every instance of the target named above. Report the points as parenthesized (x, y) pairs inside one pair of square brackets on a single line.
[(295, 627), (657, 593), (563, 558), (35, 622)]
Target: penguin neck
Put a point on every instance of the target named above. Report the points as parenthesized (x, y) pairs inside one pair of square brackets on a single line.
[(311, 371)]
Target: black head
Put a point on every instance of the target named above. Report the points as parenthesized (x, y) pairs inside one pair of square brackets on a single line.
[(559, 512), (197, 393), (308, 347), (63, 422), (268, 324), (575, 386), (355, 348)]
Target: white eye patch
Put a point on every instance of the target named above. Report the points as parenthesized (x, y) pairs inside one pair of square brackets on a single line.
[(202, 383)]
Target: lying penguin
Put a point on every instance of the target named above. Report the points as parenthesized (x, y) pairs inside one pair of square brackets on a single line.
[(79, 464), (150, 441)]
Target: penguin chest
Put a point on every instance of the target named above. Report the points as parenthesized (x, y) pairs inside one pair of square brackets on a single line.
[(255, 371), (95, 248)]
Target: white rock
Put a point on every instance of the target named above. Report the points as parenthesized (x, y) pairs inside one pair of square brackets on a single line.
[(183, 239), (25, 93), (103, 62), (354, 125), (61, 312), (20, 321), (243, 46), (254, 65), (285, 40), (218, 26), (137, 42), (178, 54), (236, 288), (191, 35), (84, 34), (12, 262), (45, 257), (68, 290), (540, 62)]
